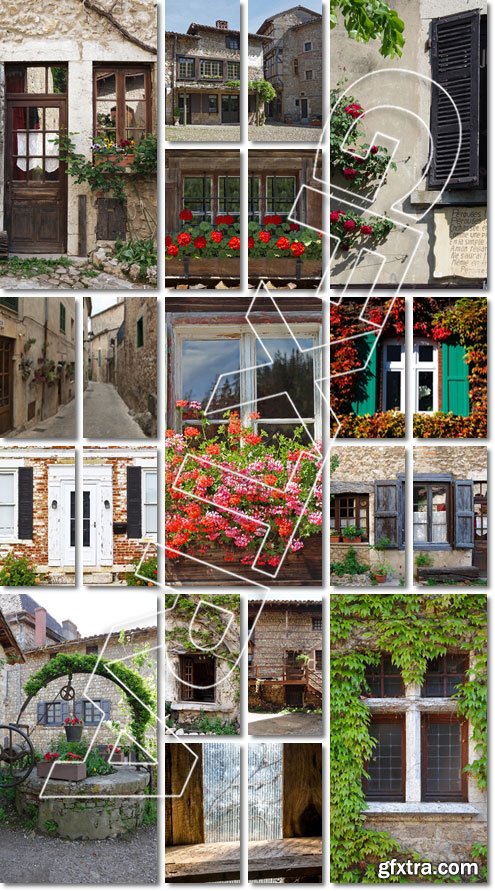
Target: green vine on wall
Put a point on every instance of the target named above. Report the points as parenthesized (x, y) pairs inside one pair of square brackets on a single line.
[(412, 629)]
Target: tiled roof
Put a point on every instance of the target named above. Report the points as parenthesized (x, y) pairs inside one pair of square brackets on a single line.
[(14, 602)]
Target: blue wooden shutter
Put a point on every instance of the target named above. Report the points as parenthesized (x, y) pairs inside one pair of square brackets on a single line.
[(106, 706), (365, 401), (464, 514), (388, 512), (41, 713), (455, 66), (455, 382)]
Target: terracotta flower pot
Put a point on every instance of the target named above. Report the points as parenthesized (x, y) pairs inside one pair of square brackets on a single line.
[(378, 577), (353, 540)]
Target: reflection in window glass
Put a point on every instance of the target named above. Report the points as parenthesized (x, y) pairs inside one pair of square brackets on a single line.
[(229, 195), (197, 197), (280, 194), (202, 363), (291, 372)]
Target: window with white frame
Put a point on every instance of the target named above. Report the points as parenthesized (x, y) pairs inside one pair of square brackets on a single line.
[(8, 504), (394, 377), (230, 368), (229, 195), (210, 68), (425, 377), (149, 491), (421, 746)]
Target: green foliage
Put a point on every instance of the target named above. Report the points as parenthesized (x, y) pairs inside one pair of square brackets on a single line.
[(148, 570), (145, 156), (104, 176), (412, 629), (19, 572), (150, 816), (366, 20), (29, 267), (50, 826), (212, 726), (141, 702), (350, 565), (96, 765)]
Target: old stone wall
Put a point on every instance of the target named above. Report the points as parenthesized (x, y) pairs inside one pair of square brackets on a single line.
[(136, 365), (102, 343), (438, 837), (296, 85), (463, 462), (278, 630)]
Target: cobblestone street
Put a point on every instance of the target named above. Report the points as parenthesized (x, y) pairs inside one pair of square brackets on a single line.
[(204, 133), (106, 415), (60, 426), (283, 133)]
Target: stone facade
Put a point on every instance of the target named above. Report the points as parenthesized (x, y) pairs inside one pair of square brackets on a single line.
[(136, 367), (449, 237), (102, 342), (76, 34), (38, 331), (293, 64)]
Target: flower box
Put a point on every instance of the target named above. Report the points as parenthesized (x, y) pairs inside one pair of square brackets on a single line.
[(72, 771), (284, 267), (301, 568), (122, 161), (209, 267)]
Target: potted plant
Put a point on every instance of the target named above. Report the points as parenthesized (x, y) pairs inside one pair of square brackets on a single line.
[(351, 534), (176, 115), (380, 571), (334, 536), (73, 728), (72, 768)]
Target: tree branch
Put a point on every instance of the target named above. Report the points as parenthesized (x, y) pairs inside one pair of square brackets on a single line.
[(89, 4)]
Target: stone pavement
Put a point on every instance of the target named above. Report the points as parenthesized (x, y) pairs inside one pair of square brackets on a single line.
[(106, 416), (69, 282), (204, 133), (282, 133), (63, 425), (288, 724)]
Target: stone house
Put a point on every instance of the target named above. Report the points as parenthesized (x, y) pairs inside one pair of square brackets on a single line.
[(450, 512), (37, 499), (203, 71), (417, 789), (367, 491), (37, 360), (120, 512), (87, 311), (203, 680), (42, 638), (285, 653), (136, 365), (102, 342), (293, 64), (438, 204), (10, 651), (87, 69)]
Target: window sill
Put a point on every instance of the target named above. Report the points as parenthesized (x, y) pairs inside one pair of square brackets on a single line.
[(450, 198), (460, 808), (432, 546), (199, 707)]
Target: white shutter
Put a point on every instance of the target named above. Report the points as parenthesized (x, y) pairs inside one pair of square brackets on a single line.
[(55, 523), (105, 515)]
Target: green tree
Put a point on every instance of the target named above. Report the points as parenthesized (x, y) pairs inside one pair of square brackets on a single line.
[(366, 20)]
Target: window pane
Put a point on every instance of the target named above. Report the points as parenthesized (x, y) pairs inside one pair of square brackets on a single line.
[(7, 488), (7, 519), (420, 515), (290, 372), (229, 194), (265, 791), (281, 192), (150, 519), (425, 391), (202, 363), (86, 520), (150, 488), (443, 776), (393, 391), (197, 196), (385, 766), (425, 352), (394, 352), (135, 106), (222, 792), (439, 514)]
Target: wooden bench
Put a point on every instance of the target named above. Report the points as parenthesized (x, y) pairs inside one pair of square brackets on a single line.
[(220, 861), (460, 575)]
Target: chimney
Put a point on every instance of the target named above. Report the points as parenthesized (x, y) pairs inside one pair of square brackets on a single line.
[(40, 626), (70, 630), (223, 26)]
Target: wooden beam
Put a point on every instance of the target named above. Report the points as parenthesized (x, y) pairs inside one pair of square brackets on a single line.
[(184, 813), (301, 790)]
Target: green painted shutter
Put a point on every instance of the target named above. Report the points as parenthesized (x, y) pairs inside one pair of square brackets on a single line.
[(365, 401), (455, 383)]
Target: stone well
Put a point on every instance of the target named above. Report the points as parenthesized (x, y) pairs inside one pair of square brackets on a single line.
[(76, 810)]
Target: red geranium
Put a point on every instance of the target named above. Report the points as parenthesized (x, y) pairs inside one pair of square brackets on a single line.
[(191, 432), (366, 230), (216, 236), (264, 236), (294, 227), (335, 216), (235, 243), (168, 240), (183, 238), (186, 215), (172, 250), (374, 149), (225, 220), (200, 242), (349, 172), (250, 242), (349, 225), (297, 248), (283, 243), (272, 220)]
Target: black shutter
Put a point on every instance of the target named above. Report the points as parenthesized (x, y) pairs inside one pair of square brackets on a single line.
[(105, 705), (134, 502), (25, 525), (41, 713), (464, 514), (388, 512), (455, 66)]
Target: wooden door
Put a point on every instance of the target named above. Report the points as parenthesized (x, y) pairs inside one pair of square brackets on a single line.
[(6, 385), (230, 109), (304, 108), (480, 553), (36, 181)]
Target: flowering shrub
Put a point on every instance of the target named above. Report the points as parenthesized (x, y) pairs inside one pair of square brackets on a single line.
[(18, 572), (148, 569), (248, 481), (273, 238), (381, 425)]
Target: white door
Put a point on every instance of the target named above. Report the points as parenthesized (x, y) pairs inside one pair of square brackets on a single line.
[(97, 511), (90, 495)]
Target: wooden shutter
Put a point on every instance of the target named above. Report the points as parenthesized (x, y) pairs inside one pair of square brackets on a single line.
[(78, 708), (455, 66), (455, 382), (388, 512), (41, 713), (65, 711), (106, 706), (134, 508), (464, 514), (365, 402), (25, 485)]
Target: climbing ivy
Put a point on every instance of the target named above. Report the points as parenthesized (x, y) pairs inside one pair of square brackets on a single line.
[(140, 699), (208, 627), (412, 629)]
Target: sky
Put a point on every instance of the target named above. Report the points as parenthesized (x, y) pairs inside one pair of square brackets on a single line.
[(180, 14), (101, 302), (259, 10), (96, 612)]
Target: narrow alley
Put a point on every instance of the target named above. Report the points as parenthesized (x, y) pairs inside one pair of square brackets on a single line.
[(106, 416)]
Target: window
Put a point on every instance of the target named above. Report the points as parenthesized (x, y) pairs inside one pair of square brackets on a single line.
[(185, 68), (280, 194), (8, 505), (53, 714), (431, 513), (232, 42), (308, 74), (394, 377), (384, 679), (92, 650), (296, 66), (229, 195), (90, 712), (350, 510), (122, 103), (196, 197), (316, 623), (140, 332), (308, 46), (233, 70), (150, 505), (318, 660), (210, 68), (444, 674), (10, 302), (425, 377), (444, 754), (386, 768), (72, 327), (99, 358), (254, 199), (62, 317), (213, 104), (197, 673), (50, 79)]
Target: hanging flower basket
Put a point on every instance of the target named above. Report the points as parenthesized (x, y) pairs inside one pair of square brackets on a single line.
[(73, 729)]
